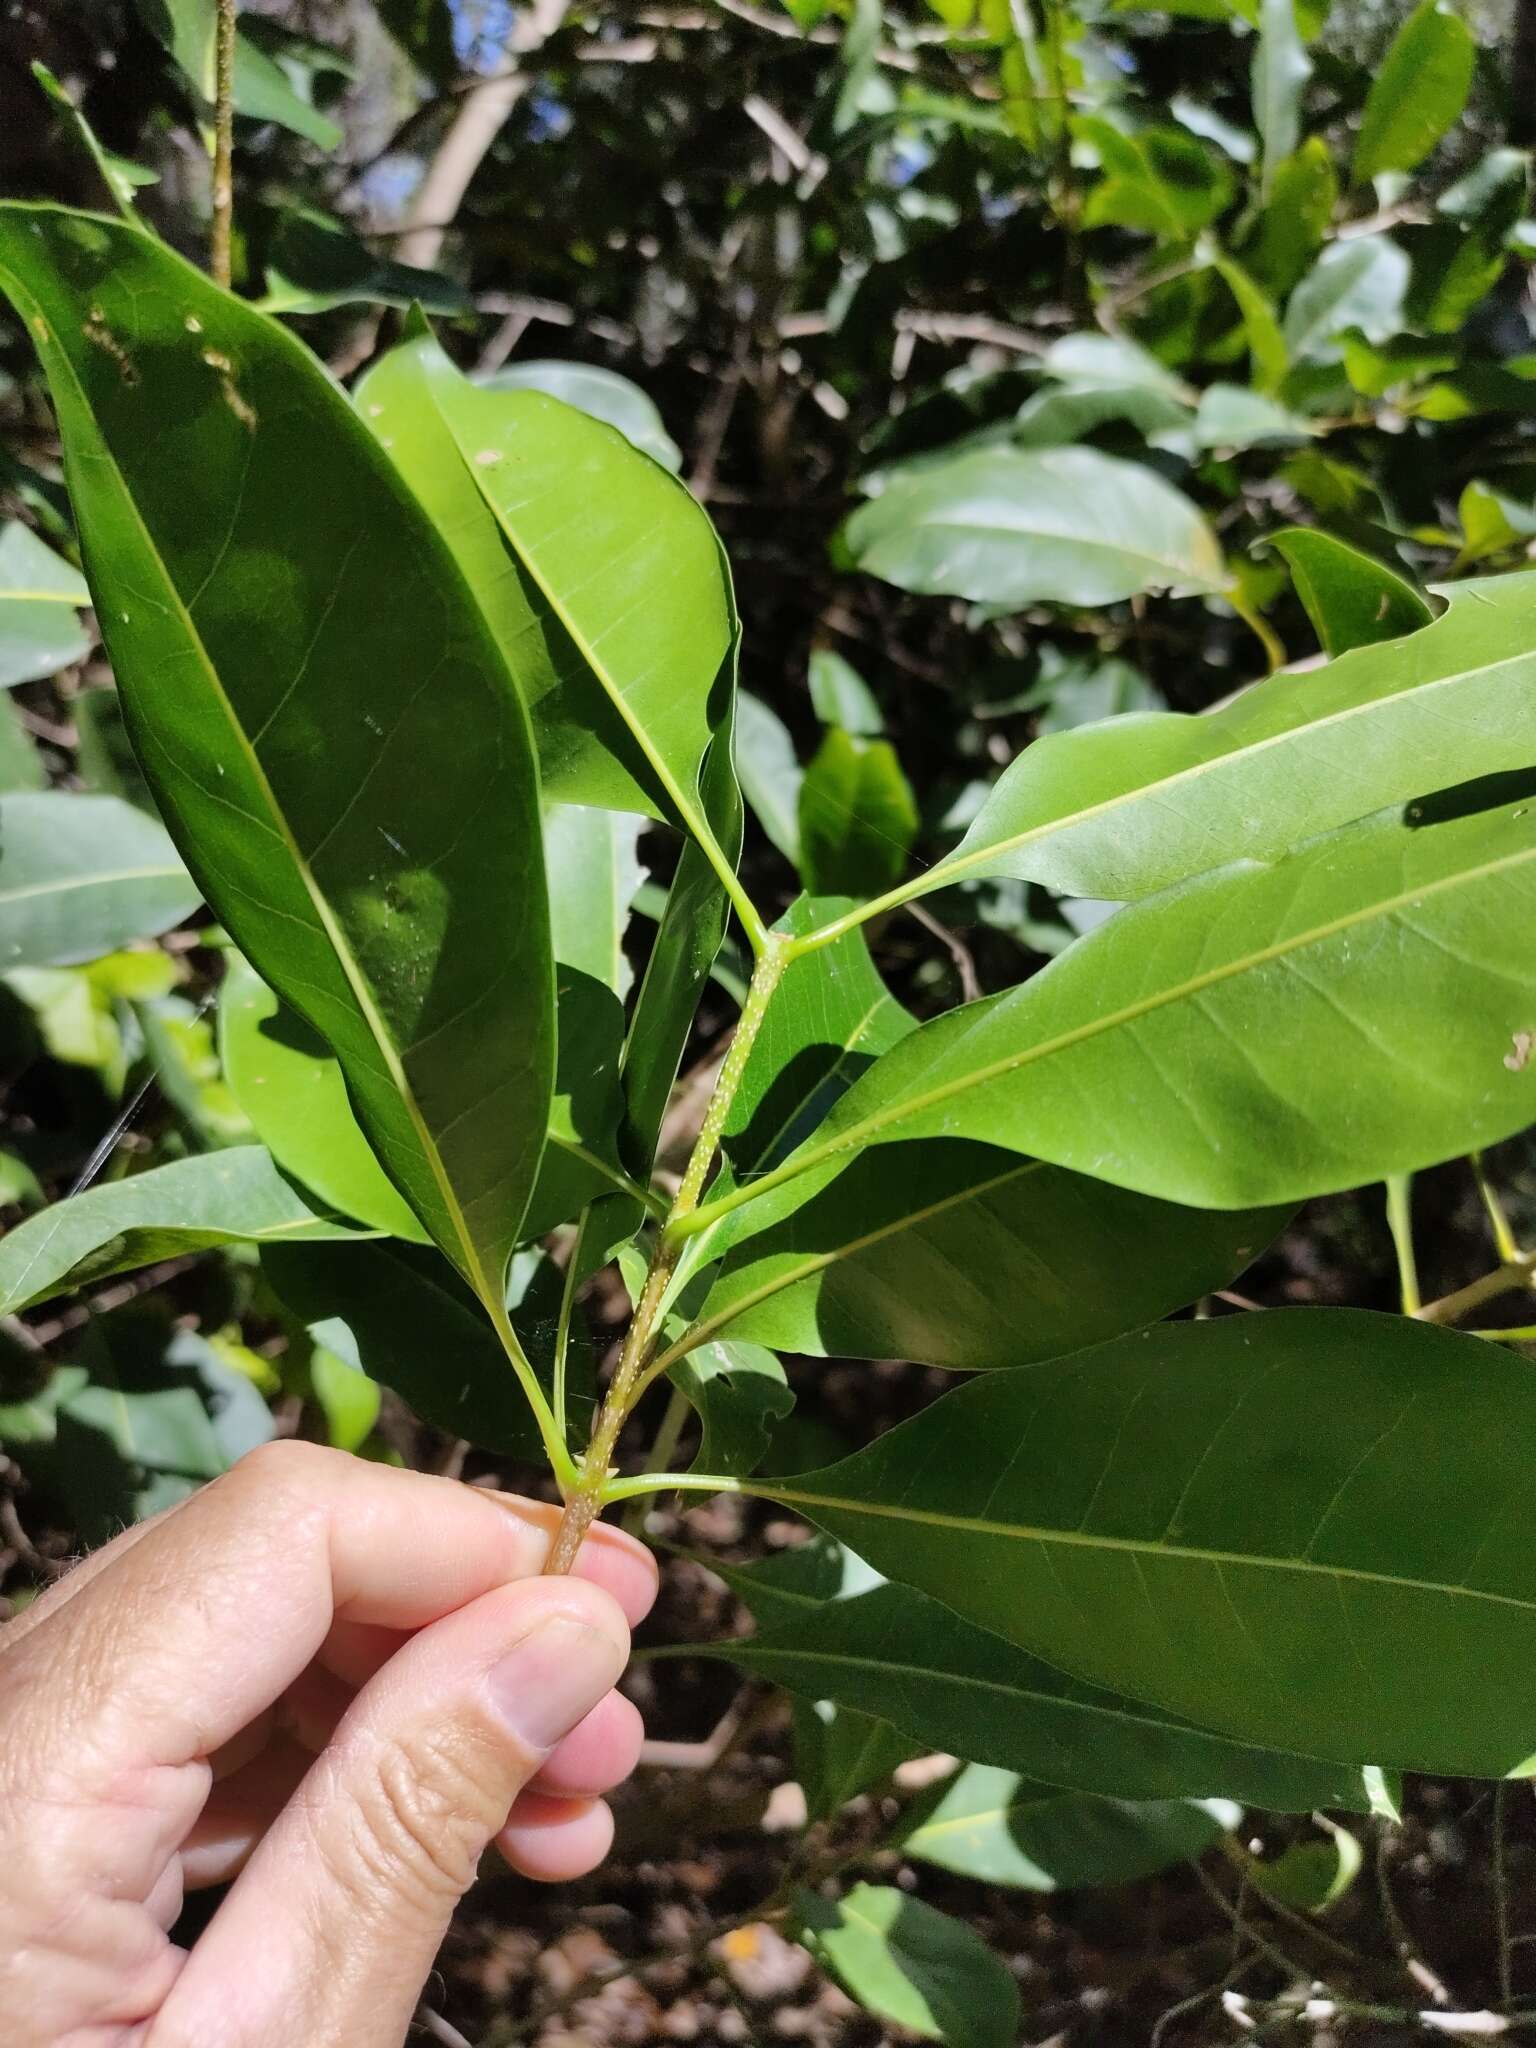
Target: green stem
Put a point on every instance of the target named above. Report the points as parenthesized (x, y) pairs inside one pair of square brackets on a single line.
[(1400, 1223), (673, 1422), (222, 233), (593, 1486), (563, 1322), (550, 1432), (1505, 1243)]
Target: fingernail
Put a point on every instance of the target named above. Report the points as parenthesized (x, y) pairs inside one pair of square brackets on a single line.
[(553, 1678)]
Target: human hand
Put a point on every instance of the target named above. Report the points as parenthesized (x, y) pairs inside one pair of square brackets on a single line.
[(342, 1682)]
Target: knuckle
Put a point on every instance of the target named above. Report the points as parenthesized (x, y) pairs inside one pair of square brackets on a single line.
[(285, 1464), (431, 1802)]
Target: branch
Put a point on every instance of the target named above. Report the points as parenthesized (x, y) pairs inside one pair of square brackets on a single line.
[(482, 114), (222, 235)]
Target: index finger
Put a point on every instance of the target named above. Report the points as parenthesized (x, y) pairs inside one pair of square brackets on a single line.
[(199, 1625)]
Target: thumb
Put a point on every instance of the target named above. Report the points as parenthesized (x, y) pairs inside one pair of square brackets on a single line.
[(331, 1930)]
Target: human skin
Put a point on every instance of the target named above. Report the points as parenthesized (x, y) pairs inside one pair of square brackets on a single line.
[(337, 1684)]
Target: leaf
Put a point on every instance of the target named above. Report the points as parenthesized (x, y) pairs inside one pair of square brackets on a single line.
[(1257, 1035), (998, 1828), (896, 1653), (913, 1966), (840, 695), (1129, 806), (603, 395), (738, 1392), (40, 600), (81, 875), (1359, 283), (688, 940), (120, 177), (1290, 228), (261, 90), (594, 868), (416, 1328), (1309, 1876), (1266, 343), (1281, 68), (1158, 181), (1351, 599), (963, 1256), (235, 1196), (858, 817), (284, 1078), (314, 265), (1417, 94), (1012, 526), (568, 490), (379, 874), (769, 773), (1306, 1506), (1229, 416), (1071, 411), (21, 766), (839, 1755)]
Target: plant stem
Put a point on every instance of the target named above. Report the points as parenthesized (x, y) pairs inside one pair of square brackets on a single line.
[(663, 1450), (1505, 1242), (219, 253), (592, 1487), (1516, 1273), (1400, 1223)]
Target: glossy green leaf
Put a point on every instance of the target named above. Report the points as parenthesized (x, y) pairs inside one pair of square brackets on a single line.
[(1359, 283), (1127, 807), (769, 773), (906, 1963), (603, 394), (1417, 93), (80, 875), (656, 630), (40, 601), (1011, 526), (1281, 68), (1351, 599), (415, 1327), (840, 695), (285, 1079), (1267, 1522), (1257, 1035), (1232, 417), (998, 1828), (895, 1653), (382, 876), (594, 870), (857, 819), (236, 1196), (960, 1255)]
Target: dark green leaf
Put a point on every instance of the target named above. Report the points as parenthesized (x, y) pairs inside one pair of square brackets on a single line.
[(840, 695), (1351, 599), (907, 1963), (381, 875), (1270, 1522), (857, 818), (738, 1392), (314, 264)]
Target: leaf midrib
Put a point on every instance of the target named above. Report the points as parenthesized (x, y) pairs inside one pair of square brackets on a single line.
[(914, 1105), (959, 862), (362, 995), (1133, 1546)]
